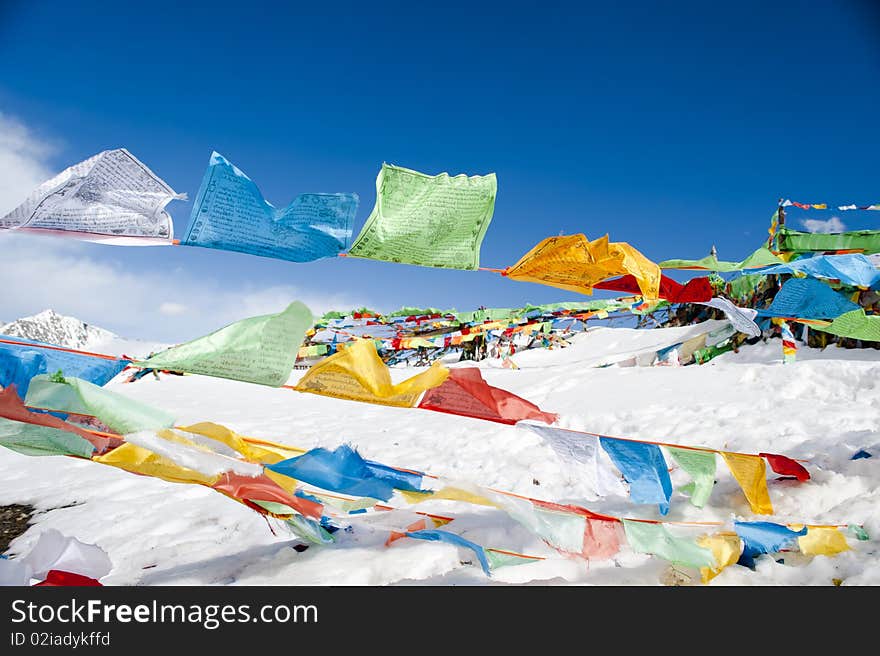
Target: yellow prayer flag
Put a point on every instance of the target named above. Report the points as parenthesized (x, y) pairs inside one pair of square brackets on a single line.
[(452, 494), (358, 374), (573, 263), (415, 342), (823, 541), (415, 497), (267, 453), (725, 547), (138, 460), (750, 473)]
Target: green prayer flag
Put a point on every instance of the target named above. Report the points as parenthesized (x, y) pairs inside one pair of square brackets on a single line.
[(117, 411), (761, 257), (259, 350), (855, 325), (487, 314), (657, 540), (33, 440), (499, 559), (867, 241), (858, 531), (700, 466), (427, 220), (742, 288)]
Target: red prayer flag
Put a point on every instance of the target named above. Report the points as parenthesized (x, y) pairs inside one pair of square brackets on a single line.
[(786, 466), (697, 290), (601, 533), (57, 577), (465, 393), (263, 488)]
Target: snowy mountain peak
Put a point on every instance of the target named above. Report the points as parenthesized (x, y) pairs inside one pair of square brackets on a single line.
[(53, 328)]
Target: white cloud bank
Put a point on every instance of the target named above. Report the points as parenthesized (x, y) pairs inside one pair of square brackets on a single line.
[(834, 224), (23, 164), (42, 272)]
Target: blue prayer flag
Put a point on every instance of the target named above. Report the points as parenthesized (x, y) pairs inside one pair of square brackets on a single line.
[(644, 468), (763, 537), (850, 269), (22, 361), (445, 536), (231, 214), (808, 298), (344, 470)]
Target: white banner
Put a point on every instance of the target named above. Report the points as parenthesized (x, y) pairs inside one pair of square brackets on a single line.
[(111, 198)]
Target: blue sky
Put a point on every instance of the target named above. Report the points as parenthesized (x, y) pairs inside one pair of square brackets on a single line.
[(672, 126)]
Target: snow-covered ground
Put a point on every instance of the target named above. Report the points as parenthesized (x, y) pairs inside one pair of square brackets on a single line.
[(825, 407)]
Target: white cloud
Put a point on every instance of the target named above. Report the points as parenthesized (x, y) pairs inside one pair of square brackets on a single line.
[(172, 309), (39, 272), (834, 224), (23, 162)]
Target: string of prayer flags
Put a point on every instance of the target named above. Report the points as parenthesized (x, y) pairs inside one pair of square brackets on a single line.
[(700, 466), (258, 350), (466, 393), (808, 298), (357, 373), (231, 214), (763, 538), (178, 456), (118, 412), (111, 197), (824, 206), (437, 221), (760, 258), (656, 539), (575, 264), (21, 360), (695, 290), (642, 461), (644, 468), (750, 472)]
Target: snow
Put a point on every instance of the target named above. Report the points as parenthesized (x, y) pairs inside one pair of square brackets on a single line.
[(822, 408)]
